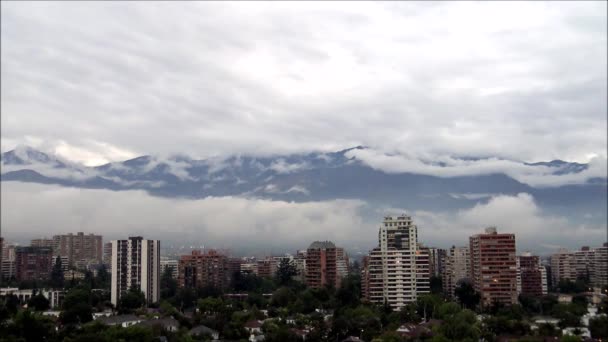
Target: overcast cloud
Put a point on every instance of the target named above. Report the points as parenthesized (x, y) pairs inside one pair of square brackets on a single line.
[(111, 80)]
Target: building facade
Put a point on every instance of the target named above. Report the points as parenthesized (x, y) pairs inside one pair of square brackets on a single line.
[(532, 276), (33, 263), (392, 269), (80, 249), (494, 267), (599, 273), (563, 266), (326, 264), (136, 264), (44, 242), (204, 269), (456, 268), (172, 264)]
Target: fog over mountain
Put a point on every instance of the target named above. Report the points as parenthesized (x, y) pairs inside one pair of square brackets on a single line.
[(246, 203), (264, 126)]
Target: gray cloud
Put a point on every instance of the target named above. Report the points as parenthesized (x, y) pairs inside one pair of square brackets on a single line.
[(106, 81)]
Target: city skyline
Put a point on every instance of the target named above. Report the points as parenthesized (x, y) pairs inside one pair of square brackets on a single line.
[(305, 121)]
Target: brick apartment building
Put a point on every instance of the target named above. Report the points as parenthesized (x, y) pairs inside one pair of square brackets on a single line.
[(494, 267)]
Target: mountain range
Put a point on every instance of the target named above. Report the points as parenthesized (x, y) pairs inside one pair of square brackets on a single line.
[(303, 177)]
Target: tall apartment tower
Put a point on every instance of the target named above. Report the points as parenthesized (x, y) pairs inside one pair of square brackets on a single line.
[(204, 269), (494, 267), (457, 267), (136, 263), (79, 248), (392, 269), (326, 264), (532, 276)]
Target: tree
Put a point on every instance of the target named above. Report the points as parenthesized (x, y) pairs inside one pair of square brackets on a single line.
[(32, 327), (348, 295), (38, 302), (427, 305), (467, 296), (168, 285), (436, 284), (103, 277), (547, 329), (131, 300), (599, 327), (286, 270), (57, 278), (461, 326), (76, 307)]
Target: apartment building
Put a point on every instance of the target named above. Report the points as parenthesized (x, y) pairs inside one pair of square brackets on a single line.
[(200, 269), (456, 268), (44, 242), (33, 263), (326, 264), (532, 276), (563, 266), (599, 273), (494, 267), (172, 264), (81, 249), (392, 269), (136, 263)]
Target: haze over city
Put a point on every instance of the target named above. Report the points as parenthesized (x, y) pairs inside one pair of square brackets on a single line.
[(272, 125)]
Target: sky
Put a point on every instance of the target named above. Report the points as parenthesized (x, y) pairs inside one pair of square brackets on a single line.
[(95, 82), (106, 81)]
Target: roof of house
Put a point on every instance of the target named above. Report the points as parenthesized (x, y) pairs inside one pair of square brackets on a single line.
[(253, 324), (119, 319), (164, 322), (351, 339), (202, 330)]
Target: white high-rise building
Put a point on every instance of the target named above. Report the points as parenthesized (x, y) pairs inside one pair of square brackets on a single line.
[(136, 263), (391, 269)]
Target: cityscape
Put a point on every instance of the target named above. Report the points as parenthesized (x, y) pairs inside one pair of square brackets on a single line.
[(304, 171), (400, 275)]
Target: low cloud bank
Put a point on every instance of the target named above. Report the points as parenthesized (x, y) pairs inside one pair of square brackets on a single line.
[(246, 225), (537, 175)]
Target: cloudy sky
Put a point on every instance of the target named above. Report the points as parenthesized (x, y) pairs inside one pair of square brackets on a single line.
[(109, 80), (104, 81)]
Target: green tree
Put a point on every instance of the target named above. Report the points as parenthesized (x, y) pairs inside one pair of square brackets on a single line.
[(427, 305), (467, 296), (168, 285), (32, 327), (598, 327), (38, 302), (131, 300), (103, 277), (76, 307), (286, 270), (210, 305), (547, 329), (436, 284), (349, 293), (57, 279), (461, 326)]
